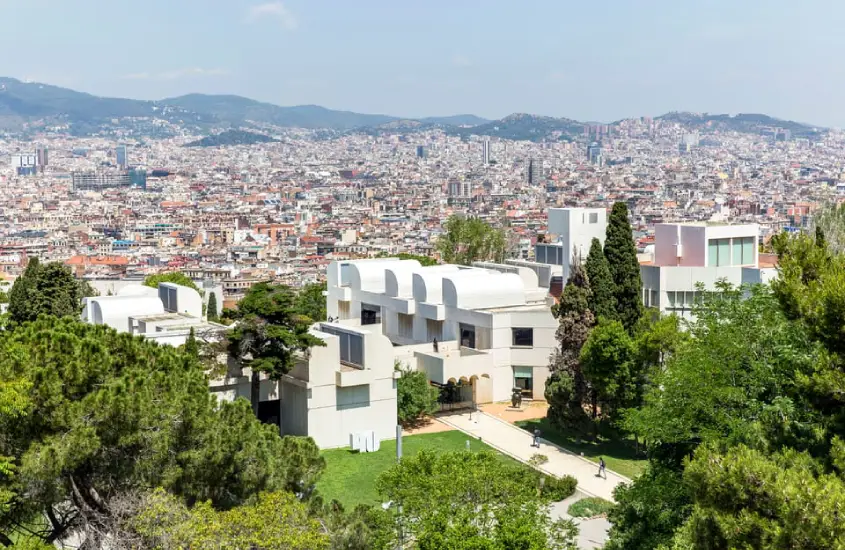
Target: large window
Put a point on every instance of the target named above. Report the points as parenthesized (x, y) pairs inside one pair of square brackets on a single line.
[(718, 252), (370, 314), (351, 346), (523, 337), (467, 333), (406, 325), (353, 397), (743, 251), (523, 378)]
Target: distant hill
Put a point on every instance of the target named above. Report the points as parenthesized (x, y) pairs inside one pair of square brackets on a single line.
[(743, 122), (522, 126), (231, 137), (455, 120)]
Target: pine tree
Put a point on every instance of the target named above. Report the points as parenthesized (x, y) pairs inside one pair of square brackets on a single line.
[(20, 307), (212, 310), (602, 302), (192, 347), (621, 257), (566, 389)]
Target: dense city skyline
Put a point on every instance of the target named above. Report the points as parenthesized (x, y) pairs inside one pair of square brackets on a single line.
[(560, 59)]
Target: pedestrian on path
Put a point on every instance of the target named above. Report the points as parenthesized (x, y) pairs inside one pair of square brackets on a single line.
[(602, 468), (536, 442)]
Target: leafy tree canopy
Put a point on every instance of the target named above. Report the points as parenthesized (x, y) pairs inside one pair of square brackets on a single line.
[(174, 277), (46, 289), (416, 398), (311, 303), (467, 240)]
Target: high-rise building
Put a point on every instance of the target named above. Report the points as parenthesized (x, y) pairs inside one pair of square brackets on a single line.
[(120, 153), (422, 152), (534, 174), (594, 153), (485, 152), (84, 181), (41, 157), (25, 165)]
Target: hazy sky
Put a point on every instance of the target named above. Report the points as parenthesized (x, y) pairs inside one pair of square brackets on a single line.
[(586, 60)]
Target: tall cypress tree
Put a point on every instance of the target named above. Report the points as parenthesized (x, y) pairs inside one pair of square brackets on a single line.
[(20, 297), (602, 302), (566, 388), (621, 257), (212, 311)]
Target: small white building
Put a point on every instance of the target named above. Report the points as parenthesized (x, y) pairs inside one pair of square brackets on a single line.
[(492, 323), (572, 231), (343, 390), (687, 255)]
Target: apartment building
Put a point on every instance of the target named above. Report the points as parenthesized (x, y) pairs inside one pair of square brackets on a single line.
[(477, 332), (689, 258), (572, 231)]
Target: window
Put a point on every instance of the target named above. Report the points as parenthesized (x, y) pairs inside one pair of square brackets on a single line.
[(434, 329), (718, 252), (523, 378), (594, 217), (406, 325), (467, 333), (353, 397), (370, 314), (743, 251), (351, 346), (523, 337)]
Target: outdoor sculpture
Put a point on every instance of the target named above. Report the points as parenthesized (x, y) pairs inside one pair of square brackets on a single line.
[(516, 398)]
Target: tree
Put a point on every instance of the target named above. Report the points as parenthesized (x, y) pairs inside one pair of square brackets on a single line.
[(621, 256), (424, 261), (192, 348), (311, 302), (212, 311), (415, 397), (268, 333), (48, 289), (117, 412), (466, 500), (275, 521), (468, 240), (608, 362), (602, 301), (174, 277), (566, 388)]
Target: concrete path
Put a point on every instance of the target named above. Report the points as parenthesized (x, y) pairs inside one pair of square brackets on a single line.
[(592, 533), (516, 442)]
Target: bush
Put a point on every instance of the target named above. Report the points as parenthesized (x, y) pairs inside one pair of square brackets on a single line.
[(416, 398), (537, 460), (558, 488), (589, 507)]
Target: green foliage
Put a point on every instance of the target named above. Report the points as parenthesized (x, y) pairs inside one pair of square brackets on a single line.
[(48, 289), (116, 412), (589, 507), (555, 489), (657, 339), (608, 362), (602, 301), (466, 500), (311, 303), (649, 510), (621, 256), (416, 398), (192, 347), (269, 331), (468, 240), (424, 261), (212, 311), (174, 277), (231, 137), (566, 388), (275, 521)]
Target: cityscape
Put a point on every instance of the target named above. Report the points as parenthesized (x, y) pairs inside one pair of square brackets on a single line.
[(420, 311)]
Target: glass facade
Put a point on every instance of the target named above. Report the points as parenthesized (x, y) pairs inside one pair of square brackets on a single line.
[(728, 252)]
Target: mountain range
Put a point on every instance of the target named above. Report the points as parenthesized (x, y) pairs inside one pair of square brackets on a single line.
[(23, 102)]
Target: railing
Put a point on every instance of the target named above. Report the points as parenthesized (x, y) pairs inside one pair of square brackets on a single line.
[(456, 406)]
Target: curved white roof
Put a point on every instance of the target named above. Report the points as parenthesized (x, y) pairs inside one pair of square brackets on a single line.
[(137, 290), (483, 290), (369, 275), (108, 309), (399, 279), (428, 283)]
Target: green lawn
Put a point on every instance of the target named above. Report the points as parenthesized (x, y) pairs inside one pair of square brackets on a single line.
[(350, 477), (619, 453)]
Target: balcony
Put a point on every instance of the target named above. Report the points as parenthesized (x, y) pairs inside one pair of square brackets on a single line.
[(454, 362), (352, 376)]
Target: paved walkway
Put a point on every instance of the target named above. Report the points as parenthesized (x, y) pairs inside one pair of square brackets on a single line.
[(516, 442), (592, 533)]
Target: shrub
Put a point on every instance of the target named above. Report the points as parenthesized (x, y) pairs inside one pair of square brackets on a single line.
[(415, 396), (537, 460), (558, 488), (590, 507)]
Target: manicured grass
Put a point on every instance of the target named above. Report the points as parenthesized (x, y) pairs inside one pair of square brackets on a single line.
[(619, 453), (350, 477), (589, 507)]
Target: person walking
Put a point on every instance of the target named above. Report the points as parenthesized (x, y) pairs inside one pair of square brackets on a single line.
[(602, 468), (536, 442)]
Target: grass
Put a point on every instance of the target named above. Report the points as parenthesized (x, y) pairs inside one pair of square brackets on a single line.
[(350, 477), (589, 507), (619, 453)]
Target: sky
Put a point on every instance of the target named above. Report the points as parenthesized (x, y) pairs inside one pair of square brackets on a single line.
[(591, 61)]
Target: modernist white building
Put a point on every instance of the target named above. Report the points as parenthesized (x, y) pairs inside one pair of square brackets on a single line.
[(572, 231), (687, 255), (492, 323)]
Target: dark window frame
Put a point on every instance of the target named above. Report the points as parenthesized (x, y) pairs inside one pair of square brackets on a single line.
[(522, 337)]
